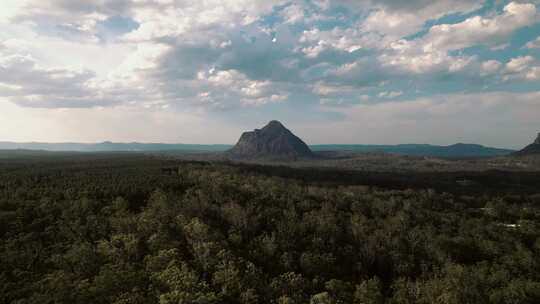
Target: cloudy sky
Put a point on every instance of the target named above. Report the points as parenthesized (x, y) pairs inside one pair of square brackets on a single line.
[(203, 71)]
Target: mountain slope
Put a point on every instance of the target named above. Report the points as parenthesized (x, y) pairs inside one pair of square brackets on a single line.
[(531, 149)]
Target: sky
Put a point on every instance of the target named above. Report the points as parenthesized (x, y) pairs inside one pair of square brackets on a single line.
[(203, 71)]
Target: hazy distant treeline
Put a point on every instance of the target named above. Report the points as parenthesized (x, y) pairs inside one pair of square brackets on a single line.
[(452, 151)]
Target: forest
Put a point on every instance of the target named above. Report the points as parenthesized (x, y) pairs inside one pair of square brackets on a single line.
[(125, 228)]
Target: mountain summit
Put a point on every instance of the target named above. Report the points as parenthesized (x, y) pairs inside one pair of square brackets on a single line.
[(533, 148), (272, 141)]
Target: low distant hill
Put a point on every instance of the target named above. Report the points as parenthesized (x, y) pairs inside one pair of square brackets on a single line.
[(452, 151), (272, 141), (531, 149), (110, 147)]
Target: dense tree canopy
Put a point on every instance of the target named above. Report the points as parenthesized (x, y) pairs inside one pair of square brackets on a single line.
[(132, 229)]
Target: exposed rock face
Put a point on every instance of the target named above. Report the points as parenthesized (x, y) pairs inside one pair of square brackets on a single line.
[(533, 148), (272, 141)]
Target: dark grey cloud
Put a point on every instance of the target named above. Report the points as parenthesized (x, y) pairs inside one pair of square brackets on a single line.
[(437, 7)]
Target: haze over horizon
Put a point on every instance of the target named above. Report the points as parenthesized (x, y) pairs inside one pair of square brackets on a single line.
[(334, 72)]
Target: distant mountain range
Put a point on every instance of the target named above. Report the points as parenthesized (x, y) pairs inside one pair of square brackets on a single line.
[(452, 151), (459, 150), (110, 146)]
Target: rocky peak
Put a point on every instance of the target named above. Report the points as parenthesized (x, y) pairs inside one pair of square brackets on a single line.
[(274, 140), (537, 141), (274, 128), (274, 124)]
